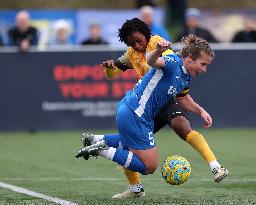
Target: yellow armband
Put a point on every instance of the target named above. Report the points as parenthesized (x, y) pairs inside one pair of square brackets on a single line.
[(167, 52)]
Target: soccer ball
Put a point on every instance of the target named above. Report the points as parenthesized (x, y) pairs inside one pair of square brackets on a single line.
[(176, 170)]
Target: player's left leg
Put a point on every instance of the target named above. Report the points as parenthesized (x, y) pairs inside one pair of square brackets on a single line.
[(198, 142), (177, 120)]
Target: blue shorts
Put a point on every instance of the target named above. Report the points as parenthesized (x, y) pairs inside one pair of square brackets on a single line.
[(134, 132)]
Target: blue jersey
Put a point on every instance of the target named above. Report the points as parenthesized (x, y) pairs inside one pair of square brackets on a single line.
[(158, 87)]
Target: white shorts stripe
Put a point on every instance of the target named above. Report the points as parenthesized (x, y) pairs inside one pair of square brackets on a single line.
[(129, 159)]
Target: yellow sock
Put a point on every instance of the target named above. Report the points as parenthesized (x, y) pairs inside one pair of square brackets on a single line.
[(198, 142), (133, 177)]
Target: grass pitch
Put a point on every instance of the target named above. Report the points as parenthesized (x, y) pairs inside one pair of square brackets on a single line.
[(44, 162)]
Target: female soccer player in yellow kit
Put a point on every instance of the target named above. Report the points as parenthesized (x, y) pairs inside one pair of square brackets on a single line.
[(136, 35)]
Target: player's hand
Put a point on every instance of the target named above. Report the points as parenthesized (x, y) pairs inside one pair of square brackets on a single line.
[(163, 45), (206, 118), (108, 64)]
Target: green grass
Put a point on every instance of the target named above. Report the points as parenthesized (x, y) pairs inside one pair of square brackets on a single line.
[(44, 162)]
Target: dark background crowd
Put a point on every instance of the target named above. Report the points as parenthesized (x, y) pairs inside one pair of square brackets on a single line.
[(180, 20)]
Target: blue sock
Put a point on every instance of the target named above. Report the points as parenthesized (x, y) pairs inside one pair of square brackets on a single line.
[(124, 158), (112, 140)]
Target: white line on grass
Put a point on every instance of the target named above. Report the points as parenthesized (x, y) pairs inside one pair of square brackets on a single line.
[(35, 194), (113, 179)]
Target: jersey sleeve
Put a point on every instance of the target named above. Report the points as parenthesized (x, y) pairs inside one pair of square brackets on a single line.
[(153, 41), (152, 45), (170, 64), (123, 63)]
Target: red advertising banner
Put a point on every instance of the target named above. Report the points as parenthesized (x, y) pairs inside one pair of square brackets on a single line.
[(85, 81)]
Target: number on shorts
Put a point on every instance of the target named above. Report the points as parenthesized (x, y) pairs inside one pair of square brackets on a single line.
[(151, 138)]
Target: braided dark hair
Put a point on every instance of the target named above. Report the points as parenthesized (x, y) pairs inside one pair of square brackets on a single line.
[(194, 46), (131, 26)]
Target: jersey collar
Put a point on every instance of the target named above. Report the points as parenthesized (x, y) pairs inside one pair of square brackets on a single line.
[(182, 66), (184, 70)]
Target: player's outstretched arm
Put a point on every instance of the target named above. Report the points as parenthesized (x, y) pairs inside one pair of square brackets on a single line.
[(153, 58), (114, 67), (189, 104), (110, 69)]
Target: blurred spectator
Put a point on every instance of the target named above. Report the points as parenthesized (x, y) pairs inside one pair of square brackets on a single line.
[(147, 13), (62, 31), (23, 35), (95, 36), (140, 3), (248, 34), (192, 26)]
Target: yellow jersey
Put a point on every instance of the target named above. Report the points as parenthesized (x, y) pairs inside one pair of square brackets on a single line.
[(137, 60)]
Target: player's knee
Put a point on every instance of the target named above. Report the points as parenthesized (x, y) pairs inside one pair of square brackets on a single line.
[(150, 168), (181, 126)]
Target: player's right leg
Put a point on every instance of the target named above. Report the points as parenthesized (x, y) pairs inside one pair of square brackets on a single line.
[(124, 158), (127, 159), (135, 188), (143, 161), (129, 130), (112, 140)]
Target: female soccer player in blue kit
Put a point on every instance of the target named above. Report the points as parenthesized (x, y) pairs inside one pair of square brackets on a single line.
[(136, 111)]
